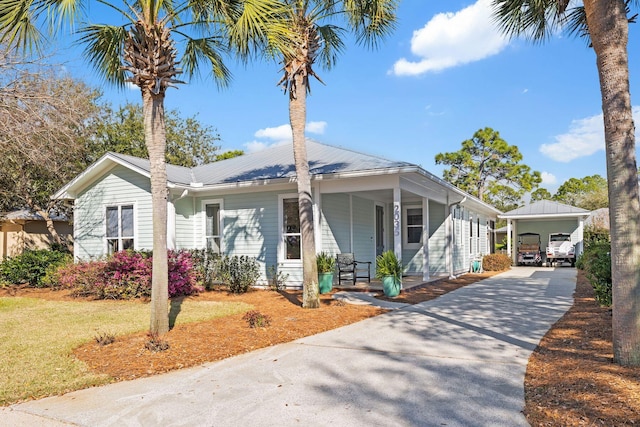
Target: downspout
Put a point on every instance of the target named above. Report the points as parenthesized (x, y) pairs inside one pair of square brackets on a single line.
[(171, 220)]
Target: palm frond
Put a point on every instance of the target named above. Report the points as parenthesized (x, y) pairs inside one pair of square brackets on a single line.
[(104, 46), (257, 25), (372, 20), (209, 49), (331, 44), (19, 21), (536, 20)]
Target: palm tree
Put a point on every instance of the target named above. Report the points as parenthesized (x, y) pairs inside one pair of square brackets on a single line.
[(605, 22), (315, 37), (143, 52)]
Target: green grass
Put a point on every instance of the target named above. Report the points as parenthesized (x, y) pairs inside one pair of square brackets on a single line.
[(37, 338)]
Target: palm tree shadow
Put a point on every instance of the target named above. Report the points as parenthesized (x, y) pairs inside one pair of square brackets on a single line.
[(174, 309)]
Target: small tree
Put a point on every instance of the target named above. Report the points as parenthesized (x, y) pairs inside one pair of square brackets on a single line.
[(42, 153), (489, 168)]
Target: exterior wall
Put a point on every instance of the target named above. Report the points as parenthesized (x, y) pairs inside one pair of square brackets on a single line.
[(336, 232), (117, 187), (437, 238), (185, 223), (21, 235), (543, 228), (363, 216)]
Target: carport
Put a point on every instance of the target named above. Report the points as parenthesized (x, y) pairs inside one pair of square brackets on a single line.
[(544, 217)]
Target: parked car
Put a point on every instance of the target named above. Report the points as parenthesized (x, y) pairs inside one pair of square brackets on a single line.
[(529, 249), (561, 249)]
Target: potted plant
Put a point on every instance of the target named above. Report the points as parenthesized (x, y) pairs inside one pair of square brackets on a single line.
[(326, 265), (389, 270)]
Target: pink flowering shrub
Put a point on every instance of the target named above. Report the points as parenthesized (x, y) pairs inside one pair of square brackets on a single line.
[(127, 275)]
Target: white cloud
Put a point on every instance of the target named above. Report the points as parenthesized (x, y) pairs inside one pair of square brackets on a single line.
[(451, 39), (584, 138), (279, 135), (548, 178)]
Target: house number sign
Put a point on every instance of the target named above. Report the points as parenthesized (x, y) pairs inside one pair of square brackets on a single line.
[(396, 220)]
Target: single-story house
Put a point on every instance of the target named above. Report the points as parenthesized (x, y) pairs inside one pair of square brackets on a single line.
[(23, 229), (248, 205), (544, 217)]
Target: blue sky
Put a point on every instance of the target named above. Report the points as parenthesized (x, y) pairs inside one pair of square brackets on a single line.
[(444, 73)]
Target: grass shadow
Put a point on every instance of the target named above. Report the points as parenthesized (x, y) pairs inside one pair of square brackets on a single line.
[(174, 309)]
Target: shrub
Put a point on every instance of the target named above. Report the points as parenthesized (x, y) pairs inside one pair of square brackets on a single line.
[(256, 319), (206, 266), (596, 263), (239, 272), (496, 262), (155, 343), (31, 266), (104, 338), (127, 275), (277, 278)]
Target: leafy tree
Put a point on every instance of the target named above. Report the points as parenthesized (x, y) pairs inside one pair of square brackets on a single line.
[(189, 142), (229, 154), (589, 192), (540, 194), (144, 53), (489, 168), (314, 36), (42, 153), (606, 24)]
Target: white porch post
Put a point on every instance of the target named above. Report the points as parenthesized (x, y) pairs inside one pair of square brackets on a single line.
[(580, 245), (425, 238), (317, 209), (509, 237), (171, 225), (397, 222), (449, 239)]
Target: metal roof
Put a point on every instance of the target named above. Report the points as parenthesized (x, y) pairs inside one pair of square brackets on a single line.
[(545, 208)]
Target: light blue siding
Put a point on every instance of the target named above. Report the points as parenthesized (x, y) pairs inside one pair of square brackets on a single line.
[(336, 213), (364, 247), (185, 223), (437, 238), (119, 186)]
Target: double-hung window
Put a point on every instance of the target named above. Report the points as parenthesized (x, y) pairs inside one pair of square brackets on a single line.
[(212, 226), (291, 229), (120, 228), (413, 227)]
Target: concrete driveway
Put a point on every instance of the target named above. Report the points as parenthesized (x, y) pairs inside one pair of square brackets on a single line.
[(458, 360)]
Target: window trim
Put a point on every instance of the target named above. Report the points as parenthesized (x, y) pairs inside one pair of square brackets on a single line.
[(203, 222), (406, 226), (120, 205), (282, 256)]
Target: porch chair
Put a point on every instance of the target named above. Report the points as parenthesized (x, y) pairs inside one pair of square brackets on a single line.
[(350, 269)]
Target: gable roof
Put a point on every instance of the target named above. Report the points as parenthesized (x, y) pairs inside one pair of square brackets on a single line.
[(273, 165), (545, 209)]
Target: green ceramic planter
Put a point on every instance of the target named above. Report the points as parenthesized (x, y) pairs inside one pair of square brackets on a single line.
[(325, 280), (390, 286)]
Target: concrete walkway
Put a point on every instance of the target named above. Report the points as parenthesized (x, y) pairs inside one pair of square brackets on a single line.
[(458, 360)]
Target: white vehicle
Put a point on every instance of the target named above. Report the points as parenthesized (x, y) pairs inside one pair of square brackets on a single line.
[(561, 249)]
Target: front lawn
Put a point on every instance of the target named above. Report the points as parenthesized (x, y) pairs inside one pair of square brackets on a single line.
[(37, 337)]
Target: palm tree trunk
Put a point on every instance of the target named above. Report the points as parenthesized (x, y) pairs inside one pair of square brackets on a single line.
[(608, 28), (155, 139), (298, 117)]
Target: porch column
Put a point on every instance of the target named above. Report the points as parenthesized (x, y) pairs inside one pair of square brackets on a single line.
[(449, 239), (317, 209), (171, 225), (509, 237), (425, 239), (580, 245), (397, 222)]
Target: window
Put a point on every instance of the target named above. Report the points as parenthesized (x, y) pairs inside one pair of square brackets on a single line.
[(414, 227), (291, 229), (212, 226), (119, 228)]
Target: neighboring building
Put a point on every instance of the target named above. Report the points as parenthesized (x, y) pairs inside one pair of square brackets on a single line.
[(23, 229), (248, 205), (544, 217)]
